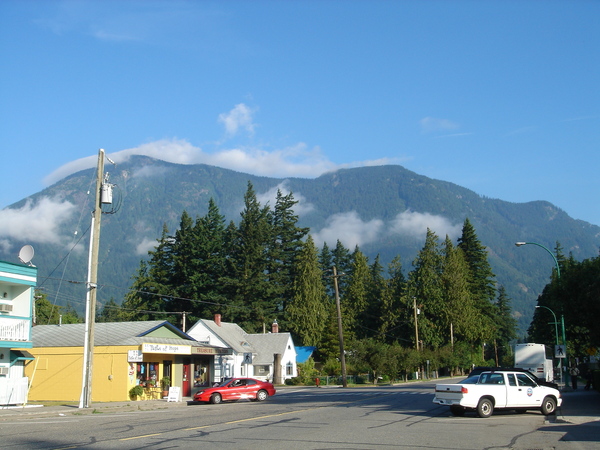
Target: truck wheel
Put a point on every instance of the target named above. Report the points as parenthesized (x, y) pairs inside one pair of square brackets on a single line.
[(458, 411), (548, 406), (485, 408)]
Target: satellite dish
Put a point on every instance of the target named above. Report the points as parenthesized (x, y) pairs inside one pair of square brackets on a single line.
[(26, 254)]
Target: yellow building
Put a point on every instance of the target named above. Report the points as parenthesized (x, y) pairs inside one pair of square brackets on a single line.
[(126, 354)]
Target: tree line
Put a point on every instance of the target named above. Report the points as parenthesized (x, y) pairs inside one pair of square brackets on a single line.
[(447, 310)]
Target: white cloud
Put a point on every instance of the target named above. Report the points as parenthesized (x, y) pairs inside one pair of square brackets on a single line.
[(415, 224), (240, 117), (293, 161), (145, 246), (270, 197), (351, 230), (35, 223), (434, 125)]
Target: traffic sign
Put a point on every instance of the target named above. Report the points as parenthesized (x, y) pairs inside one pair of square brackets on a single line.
[(560, 351), (247, 358)]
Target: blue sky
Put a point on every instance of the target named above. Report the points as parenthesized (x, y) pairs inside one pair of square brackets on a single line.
[(501, 97)]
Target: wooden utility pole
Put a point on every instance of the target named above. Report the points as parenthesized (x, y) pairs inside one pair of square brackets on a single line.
[(416, 323), (340, 328), (85, 400)]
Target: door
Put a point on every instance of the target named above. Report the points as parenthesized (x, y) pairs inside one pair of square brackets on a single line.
[(525, 393), (186, 389)]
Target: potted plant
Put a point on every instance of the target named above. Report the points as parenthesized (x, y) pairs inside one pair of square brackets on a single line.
[(136, 392), (165, 383)]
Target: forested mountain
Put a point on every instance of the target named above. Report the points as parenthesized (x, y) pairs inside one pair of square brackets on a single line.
[(385, 210)]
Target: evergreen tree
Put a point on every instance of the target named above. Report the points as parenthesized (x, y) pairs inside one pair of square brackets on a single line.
[(374, 318), (460, 313), (284, 248), (356, 296), (253, 295), (307, 312), (481, 279), (425, 286), (395, 311), (507, 327)]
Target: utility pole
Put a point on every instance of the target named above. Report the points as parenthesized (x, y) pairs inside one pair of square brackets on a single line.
[(85, 400), (416, 323), (340, 328)]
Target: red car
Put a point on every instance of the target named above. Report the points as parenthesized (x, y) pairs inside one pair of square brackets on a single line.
[(236, 389)]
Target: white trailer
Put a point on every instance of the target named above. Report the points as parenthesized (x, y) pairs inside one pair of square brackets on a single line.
[(537, 358)]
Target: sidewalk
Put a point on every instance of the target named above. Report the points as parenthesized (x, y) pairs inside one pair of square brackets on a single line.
[(579, 406)]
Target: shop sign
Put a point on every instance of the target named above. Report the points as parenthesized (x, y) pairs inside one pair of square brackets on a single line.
[(135, 356), (211, 351), (166, 348)]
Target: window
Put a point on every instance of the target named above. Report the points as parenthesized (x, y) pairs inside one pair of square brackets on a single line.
[(289, 369), (511, 379), (147, 373), (524, 380)]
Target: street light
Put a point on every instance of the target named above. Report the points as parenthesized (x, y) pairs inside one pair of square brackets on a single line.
[(562, 317), (519, 244)]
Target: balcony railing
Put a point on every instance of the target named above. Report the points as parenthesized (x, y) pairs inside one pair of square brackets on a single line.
[(15, 330)]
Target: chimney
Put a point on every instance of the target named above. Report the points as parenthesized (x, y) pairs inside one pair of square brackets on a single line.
[(218, 319), (275, 327)]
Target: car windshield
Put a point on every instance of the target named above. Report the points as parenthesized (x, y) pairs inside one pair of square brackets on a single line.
[(225, 382)]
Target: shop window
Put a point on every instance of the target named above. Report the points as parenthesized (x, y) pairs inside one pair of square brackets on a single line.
[(147, 373)]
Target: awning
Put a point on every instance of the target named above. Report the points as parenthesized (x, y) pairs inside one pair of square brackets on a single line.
[(20, 355), (303, 353)]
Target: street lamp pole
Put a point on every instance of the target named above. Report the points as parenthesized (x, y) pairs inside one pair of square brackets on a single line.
[(562, 317)]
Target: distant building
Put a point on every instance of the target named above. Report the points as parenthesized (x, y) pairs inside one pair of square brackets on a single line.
[(17, 285), (126, 354), (261, 356)]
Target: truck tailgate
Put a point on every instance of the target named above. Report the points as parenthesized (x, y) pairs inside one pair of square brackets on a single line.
[(448, 394)]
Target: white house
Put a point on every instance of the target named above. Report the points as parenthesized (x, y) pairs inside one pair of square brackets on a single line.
[(264, 356), (17, 284)]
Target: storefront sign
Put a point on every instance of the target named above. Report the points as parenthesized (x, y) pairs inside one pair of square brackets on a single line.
[(166, 348), (211, 351), (135, 356)]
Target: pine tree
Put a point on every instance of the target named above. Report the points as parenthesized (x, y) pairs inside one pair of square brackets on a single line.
[(425, 285), (284, 247), (254, 295), (356, 296), (306, 314), (460, 313), (395, 311), (481, 279)]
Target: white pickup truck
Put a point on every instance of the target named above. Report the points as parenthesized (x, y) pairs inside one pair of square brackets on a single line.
[(506, 389)]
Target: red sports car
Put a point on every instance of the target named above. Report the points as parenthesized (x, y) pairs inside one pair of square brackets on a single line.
[(236, 389)]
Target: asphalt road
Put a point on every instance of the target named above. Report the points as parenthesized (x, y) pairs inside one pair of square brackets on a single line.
[(399, 417)]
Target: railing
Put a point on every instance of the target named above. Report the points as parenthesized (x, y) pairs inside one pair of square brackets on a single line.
[(13, 392), (14, 329)]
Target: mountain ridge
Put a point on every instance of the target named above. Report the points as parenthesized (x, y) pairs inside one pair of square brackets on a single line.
[(383, 209)]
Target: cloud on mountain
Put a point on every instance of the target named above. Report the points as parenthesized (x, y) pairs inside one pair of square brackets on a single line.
[(41, 222), (351, 230)]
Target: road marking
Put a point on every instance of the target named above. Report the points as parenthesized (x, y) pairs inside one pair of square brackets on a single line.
[(139, 437)]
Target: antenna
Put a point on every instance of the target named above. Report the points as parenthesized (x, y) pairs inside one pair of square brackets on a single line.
[(26, 254)]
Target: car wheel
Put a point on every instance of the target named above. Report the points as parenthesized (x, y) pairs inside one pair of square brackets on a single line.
[(458, 411), (485, 408), (215, 399), (548, 406), (261, 395)]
